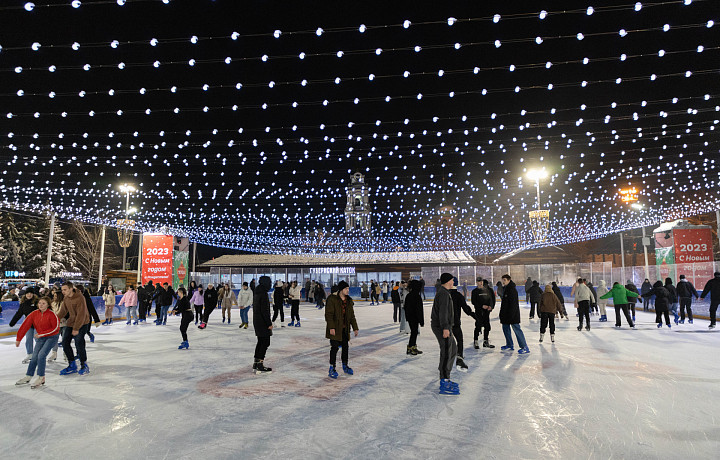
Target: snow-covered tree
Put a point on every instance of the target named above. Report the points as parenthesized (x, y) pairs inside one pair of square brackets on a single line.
[(10, 254), (63, 251)]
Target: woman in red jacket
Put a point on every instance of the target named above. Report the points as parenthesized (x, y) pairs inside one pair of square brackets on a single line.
[(47, 326)]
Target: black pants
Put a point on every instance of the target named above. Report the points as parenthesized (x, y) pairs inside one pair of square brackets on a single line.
[(198, 312), (79, 344), (646, 303), (713, 312), (206, 315), (335, 344), (533, 305), (414, 328), (142, 310), (263, 343), (457, 333), (278, 309), (659, 315), (622, 307), (158, 310), (185, 321), (584, 311), (686, 302), (295, 310), (396, 310), (631, 307), (482, 320), (546, 318), (448, 352)]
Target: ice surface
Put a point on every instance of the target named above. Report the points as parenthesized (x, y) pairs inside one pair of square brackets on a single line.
[(606, 393)]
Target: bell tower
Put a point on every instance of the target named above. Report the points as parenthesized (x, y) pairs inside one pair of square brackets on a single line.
[(357, 209)]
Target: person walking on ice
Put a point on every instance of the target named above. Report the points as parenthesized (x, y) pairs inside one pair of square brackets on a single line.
[(262, 324), (441, 323), (78, 324), (548, 308), (245, 300), (340, 317), (46, 325), (510, 316), (183, 308)]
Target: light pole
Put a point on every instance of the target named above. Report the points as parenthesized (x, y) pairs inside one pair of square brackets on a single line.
[(539, 219), (127, 189), (535, 175)]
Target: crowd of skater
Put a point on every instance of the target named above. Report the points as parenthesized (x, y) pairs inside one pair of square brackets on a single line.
[(63, 315)]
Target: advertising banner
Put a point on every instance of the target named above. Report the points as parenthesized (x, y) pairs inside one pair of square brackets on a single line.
[(181, 251), (157, 263), (695, 246)]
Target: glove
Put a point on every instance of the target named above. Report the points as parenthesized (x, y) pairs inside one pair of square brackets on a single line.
[(97, 324)]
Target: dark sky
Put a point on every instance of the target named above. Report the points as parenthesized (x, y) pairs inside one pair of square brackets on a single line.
[(260, 167)]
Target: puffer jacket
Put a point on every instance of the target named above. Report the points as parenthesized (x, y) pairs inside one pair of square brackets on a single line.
[(549, 303), (245, 298), (662, 297), (619, 294)]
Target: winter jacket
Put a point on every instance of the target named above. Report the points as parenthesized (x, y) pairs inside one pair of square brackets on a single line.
[(27, 306), (129, 299), (414, 311), (619, 294), (294, 293), (183, 306), (534, 292), (686, 290), (482, 296), (458, 304), (90, 307), (261, 308), (632, 288), (500, 289), (395, 295), (210, 298), (164, 297), (558, 293), (228, 300), (46, 324), (198, 298), (582, 292), (549, 303), (712, 287), (245, 298), (278, 296), (109, 298), (442, 313), (334, 317), (662, 297), (319, 293), (509, 305), (601, 291), (528, 285), (646, 287), (673, 293), (593, 300), (76, 307)]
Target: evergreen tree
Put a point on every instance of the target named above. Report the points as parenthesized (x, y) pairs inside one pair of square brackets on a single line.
[(10, 257), (63, 251)]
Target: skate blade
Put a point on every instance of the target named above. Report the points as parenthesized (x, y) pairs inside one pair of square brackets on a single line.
[(461, 369)]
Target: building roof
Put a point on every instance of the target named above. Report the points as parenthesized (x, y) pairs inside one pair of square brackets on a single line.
[(350, 258)]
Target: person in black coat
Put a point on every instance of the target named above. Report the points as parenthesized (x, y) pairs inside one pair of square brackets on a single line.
[(414, 315), (712, 287), (483, 299), (686, 291), (397, 304), (662, 300), (673, 301), (632, 300), (510, 316), (644, 289), (561, 298), (262, 323), (278, 300), (459, 303), (142, 296), (535, 292), (28, 304), (210, 300), (183, 308), (593, 301)]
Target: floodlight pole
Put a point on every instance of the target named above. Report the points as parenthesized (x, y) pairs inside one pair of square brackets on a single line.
[(537, 186), (647, 269), (127, 213), (622, 256), (102, 255), (49, 251), (139, 263)]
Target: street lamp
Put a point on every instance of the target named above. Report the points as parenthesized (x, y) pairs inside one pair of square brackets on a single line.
[(125, 226), (539, 219)]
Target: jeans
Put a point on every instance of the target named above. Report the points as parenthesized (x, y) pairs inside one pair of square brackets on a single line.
[(335, 344), (448, 352), (58, 338), (674, 309), (79, 344), (29, 338), (546, 318), (132, 313), (244, 314), (686, 302), (42, 349), (403, 323), (163, 313), (518, 332)]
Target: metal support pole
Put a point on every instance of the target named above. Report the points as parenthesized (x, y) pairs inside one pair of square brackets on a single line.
[(50, 246), (139, 264), (102, 256), (194, 256), (622, 256), (537, 184), (647, 267), (127, 210)]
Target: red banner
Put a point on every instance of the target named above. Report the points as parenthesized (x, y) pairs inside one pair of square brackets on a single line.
[(692, 246), (157, 263)]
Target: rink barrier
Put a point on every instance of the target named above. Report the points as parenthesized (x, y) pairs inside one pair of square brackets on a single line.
[(701, 308)]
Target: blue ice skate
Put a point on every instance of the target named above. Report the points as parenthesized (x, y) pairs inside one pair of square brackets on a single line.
[(524, 351), (347, 369), (184, 345), (297, 324), (449, 388), (84, 370), (332, 373), (71, 369), (507, 347)]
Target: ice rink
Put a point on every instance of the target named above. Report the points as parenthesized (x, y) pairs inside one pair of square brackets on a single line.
[(603, 394)]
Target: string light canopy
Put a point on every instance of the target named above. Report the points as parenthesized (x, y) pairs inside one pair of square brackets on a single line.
[(241, 127)]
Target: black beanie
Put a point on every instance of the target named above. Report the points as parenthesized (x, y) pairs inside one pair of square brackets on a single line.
[(445, 277), (342, 285)]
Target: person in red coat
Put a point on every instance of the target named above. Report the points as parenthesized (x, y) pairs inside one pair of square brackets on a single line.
[(47, 327)]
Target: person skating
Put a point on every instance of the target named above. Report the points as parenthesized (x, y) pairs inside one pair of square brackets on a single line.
[(320, 296), (198, 301), (294, 297), (548, 307), (262, 323), (142, 296), (130, 302), (510, 316), (210, 300), (185, 310), (108, 296), (339, 318), (227, 300), (602, 302), (278, 299), (630, 286), (78, 323), (662, 303), (46, 325), (459, 305), (441, 323), (583, 297), (528, 286), (402, 293), (712, 287), (535, 292), (414, 314), (559, 294), (55, 307), (673, 300), (644, 289), (164, 298), (94, 318), (245, 300), (483, 299), (686, 291), (28, 304), (395, 298)]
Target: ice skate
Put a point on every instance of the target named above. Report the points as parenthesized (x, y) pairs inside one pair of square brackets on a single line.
[(409, 350), (487, 344), (297, 324), (332, 373), (690, 321), (71, 369), (416, 351), (669, 326), (579, 328), (541, 337), (106, 322), (24, 381), (135, 323), (202, 326), (128, 323), (183, 345), (37, 382), (712, 326), (92, 337), (552, 338), (449, 388), (507, 347), (587, 328), (476, 344), (223, 320), (682, 321), (524, 351), (291, 324), (52, 357), (659, 325), (27, 358), (261, 369), (84, 370), (347, 369), (460, 364)]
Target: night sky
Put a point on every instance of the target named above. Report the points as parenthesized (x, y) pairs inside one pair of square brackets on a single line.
[(251, 147)]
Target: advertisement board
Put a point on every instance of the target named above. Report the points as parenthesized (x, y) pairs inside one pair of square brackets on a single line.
[(157, 254), (181, 250), (695, 246)]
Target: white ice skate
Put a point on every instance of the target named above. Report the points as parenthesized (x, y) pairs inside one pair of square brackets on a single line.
[(27, 359), (24, 381), (52, 357), (37, 382)]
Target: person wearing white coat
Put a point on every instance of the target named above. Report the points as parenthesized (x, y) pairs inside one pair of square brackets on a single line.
[(294, 296), (602, 303), (245, 301)]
